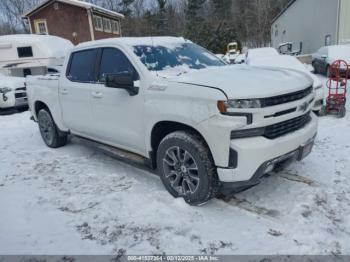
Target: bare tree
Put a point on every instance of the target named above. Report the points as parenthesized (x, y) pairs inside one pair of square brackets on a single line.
[(12, 11), (212, 23)]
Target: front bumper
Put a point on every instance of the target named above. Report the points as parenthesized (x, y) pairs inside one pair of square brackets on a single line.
[(281, 161), (9, 100), (254, 153), (21, 102)]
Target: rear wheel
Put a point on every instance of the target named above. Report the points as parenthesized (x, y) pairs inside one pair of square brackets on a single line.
[(50, 133), (186, 167)]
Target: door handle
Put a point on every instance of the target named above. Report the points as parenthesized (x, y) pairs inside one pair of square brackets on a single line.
[(97, 94), (64, 91)]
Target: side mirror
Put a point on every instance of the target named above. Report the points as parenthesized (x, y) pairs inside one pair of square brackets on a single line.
[(123, 81), (324, 56)]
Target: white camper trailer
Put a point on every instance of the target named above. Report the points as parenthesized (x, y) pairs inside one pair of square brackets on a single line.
[(22, 55)]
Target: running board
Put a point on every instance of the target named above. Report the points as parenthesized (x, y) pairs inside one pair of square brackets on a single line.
[(117, 153)]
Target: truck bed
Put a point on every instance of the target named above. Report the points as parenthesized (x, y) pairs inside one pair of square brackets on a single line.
[(43, 89)]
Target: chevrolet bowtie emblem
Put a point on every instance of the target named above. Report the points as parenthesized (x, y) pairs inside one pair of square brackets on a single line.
[(304, 106)]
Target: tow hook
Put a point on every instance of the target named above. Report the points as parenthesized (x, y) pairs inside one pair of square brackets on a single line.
[(4, 97)]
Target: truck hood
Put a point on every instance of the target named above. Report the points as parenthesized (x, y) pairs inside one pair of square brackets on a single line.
[(11, 82), (246, 81)]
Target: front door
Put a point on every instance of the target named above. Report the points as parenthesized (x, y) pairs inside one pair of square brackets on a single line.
[(118, 117)]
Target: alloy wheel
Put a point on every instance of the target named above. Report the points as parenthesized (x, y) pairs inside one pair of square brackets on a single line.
[(46, 127), (181, 170)]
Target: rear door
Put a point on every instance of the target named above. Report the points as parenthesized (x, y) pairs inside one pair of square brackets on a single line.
[(75, 91), (118, 117)]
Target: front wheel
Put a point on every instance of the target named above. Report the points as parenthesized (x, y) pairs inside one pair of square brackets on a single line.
[(50, 133), (186, 167)]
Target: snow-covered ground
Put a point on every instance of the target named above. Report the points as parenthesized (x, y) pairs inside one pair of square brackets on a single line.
[(77, 200)]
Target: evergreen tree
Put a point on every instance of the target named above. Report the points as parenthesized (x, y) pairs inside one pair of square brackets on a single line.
[(222, 9), (125, 7), (195, 24), (162, 20)]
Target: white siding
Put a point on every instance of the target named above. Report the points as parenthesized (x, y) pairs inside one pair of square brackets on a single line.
[(309, 22), (344, 22)]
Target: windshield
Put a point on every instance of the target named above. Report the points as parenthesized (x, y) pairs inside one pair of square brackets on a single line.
[(187, 55)]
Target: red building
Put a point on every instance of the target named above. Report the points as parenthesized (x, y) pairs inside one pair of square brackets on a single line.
[(75, 20)]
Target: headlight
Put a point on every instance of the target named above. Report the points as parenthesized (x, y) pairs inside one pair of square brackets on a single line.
[(238, 103), (5, 90), (244, 103)]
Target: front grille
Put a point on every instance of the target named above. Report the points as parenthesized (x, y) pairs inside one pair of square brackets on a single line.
[(20, 95), (282, 99), (274, 131), (280, 129)]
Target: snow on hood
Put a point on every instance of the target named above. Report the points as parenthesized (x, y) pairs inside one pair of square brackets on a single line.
[(11, 81), (339, 52), (285, 62), (264, 51), (247, 82)]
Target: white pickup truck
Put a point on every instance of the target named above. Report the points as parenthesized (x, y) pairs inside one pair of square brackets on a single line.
[(13, 93), (205, 126)]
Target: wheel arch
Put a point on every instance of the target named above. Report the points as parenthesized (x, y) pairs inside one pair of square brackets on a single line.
[(38, 105), (162, 129)]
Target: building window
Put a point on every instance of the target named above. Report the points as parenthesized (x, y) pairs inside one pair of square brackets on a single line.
[(98, 23), (276, 33), (115, 27), (107, 25), (41, 27), (26, 51)]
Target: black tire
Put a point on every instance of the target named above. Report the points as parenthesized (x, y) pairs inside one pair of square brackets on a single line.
[(193, 176), (328, 71), (50, 133), (317, 112), (342, 112), (315, 69), (323, 111), (22, 109)]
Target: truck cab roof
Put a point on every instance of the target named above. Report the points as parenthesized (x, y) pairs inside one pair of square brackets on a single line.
[(132, 41)]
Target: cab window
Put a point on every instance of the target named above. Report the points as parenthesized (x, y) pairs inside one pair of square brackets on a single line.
[(113, 61), (81, 67)]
